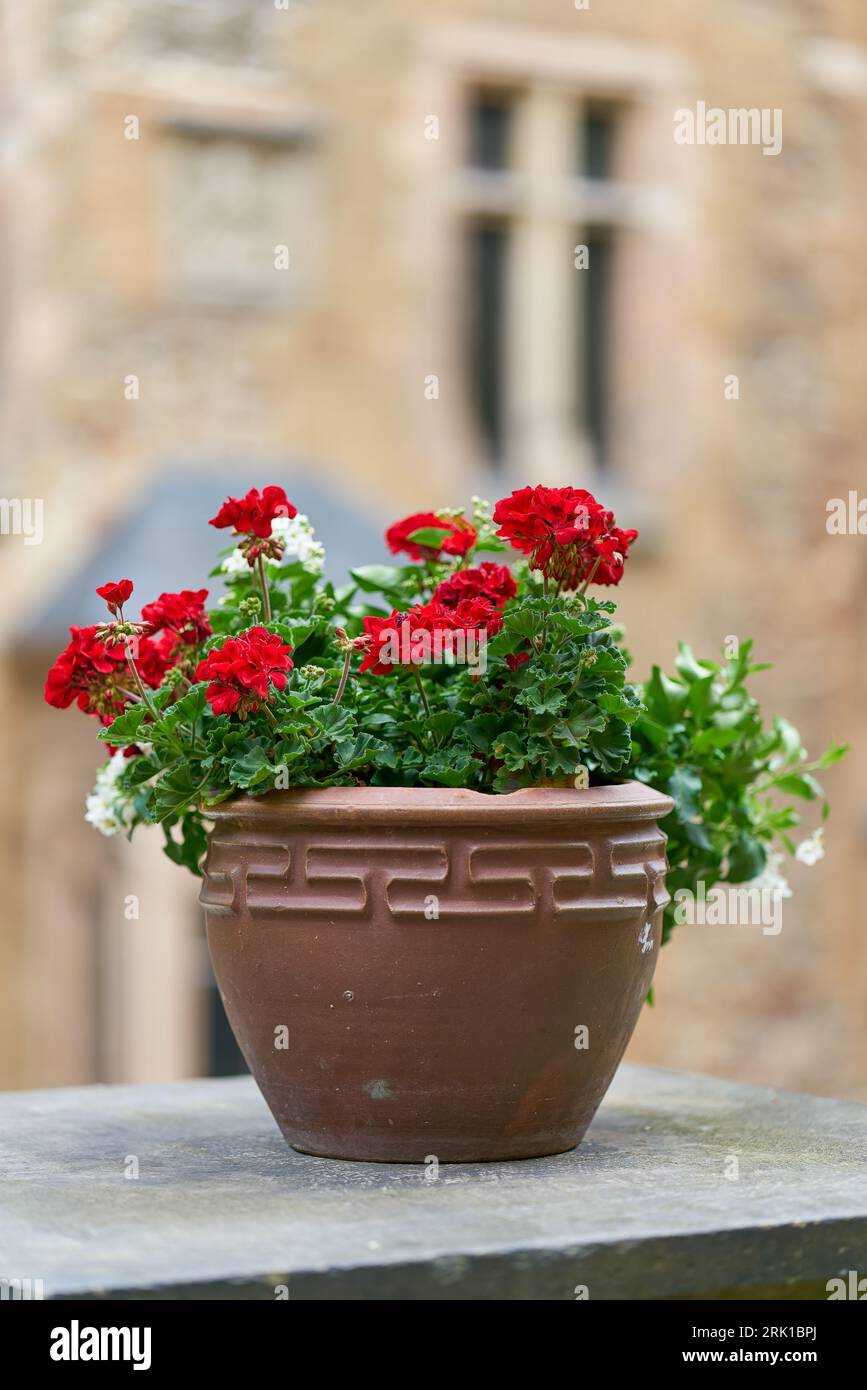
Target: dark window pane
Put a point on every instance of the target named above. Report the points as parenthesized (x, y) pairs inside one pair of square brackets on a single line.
[(595, 331), (224, 1055), (598, 142), (490, 121), (487, 269)]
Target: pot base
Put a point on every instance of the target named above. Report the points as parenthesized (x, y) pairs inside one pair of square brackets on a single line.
[(473, 1156)]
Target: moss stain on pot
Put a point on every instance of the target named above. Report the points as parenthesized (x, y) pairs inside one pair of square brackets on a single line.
[(378, 1090)]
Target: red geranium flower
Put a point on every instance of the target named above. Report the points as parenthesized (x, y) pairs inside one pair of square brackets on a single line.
[(424, 633), (488, 581), (116, 594), (182, 614), (253, 514), (568, 535), (480, 614), (607, 557), (461, 537), (154, 656), (243, 670), (91, 672), (514, 660)]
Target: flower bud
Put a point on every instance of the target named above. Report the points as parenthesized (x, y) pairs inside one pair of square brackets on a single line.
[(347, 644)]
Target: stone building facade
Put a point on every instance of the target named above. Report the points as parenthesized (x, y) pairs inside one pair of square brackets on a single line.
[(403, 252)]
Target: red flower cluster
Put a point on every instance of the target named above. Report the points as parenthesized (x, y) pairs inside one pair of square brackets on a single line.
[(493, 582), (242, 671), (253, 515), (568, 535), (176, 624), (91, 669), (476, 613), (92, 673), (425, 632), (154, 657), (461, 538), (181, 614)]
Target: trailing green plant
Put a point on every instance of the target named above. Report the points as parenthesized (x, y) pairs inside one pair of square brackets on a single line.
[(701, 737)]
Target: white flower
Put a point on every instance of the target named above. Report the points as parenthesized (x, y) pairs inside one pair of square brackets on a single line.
[(236, 563), (296, 533), (770, 880), (812, 850), (108, 808), (297, 536)]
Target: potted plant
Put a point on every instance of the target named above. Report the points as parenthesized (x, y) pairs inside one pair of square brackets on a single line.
[(430, 811)]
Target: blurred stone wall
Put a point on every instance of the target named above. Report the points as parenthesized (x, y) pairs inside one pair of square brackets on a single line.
[(163, 160)]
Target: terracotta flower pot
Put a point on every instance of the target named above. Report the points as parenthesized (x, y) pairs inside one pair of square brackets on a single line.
[(410, 972)]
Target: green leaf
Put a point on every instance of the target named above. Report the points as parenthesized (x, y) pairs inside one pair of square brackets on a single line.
[(655, 733), (512, 750), (712, 738), (190, 708), (582, 720), (449, 767), (542, 697), (139, 770), (191, 847), (700, 695), (833, 755), (377, 579), (688, 667), (746, 858), (175, 791), (684, 788), (125, 729), (697, 835), (665, 699), (432, 536), (799, 784), (521, 624), (481, 731), (336, 721), (609, 748), (251, 768), (362, 751), (444, 723)]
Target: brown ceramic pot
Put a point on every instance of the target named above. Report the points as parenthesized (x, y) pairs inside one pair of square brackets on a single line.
[(409, 971)]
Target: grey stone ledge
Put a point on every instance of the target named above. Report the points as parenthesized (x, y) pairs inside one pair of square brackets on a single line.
[(222, 1208)]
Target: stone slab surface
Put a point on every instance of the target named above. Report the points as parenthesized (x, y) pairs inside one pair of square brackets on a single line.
[(222, 1208)]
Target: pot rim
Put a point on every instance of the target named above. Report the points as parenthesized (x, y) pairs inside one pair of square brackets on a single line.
[(617, 801)]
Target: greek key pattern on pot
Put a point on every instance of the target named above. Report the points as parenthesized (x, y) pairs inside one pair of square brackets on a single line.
[(620, 876)]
